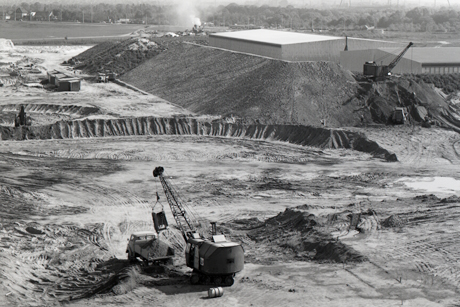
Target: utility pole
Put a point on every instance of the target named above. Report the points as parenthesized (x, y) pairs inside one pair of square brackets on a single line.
[(83, 16)]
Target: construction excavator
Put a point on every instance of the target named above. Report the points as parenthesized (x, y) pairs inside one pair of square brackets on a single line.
[(380, 72), (214, 261), (22, 119)]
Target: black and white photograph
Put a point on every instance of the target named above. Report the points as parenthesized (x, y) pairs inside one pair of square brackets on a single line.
[(236, 153)]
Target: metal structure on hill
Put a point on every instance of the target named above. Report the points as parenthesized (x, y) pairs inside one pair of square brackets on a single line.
[(213, 261), (381, 72)]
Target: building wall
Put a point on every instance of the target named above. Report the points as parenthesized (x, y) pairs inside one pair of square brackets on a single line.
[(311, 51), (354, 61), (442, 69), (317, 51), (75, 86), (329, 50), (263, 49), (64, 86)]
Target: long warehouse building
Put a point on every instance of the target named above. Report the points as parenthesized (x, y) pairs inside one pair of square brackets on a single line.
[(293, 46), (417, 60)]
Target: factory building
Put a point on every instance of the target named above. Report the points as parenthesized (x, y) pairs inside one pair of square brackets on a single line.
[(416, 60), (293, 46)]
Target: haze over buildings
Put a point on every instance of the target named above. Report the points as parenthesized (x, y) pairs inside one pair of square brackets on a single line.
[(274, 3)]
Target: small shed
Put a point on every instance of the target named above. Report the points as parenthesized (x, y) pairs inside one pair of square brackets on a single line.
[(59, 77), (69, 85), (52, 76)]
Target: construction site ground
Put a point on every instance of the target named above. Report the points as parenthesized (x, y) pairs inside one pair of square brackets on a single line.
[(69, 205)]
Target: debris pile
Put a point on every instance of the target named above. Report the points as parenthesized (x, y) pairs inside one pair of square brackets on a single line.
[(118, 57), (393, 221), (304, 233)]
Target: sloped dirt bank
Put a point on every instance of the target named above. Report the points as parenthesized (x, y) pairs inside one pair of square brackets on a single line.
[(305, 234), (420, 99), (51, 108), (295, 134), (218, 82)]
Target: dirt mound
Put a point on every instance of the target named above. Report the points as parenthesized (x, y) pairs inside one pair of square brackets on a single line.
[(262, 90), (450, 199), (212, 81), (121, 56), (301, 135), (393, 221), (6, 44), (420, 100), (303, 232)]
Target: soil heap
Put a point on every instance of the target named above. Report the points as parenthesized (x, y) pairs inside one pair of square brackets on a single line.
[(121, 56), (268, 91), (211, 81)]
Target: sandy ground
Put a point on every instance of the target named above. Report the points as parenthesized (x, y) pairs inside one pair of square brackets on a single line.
[(68, 207)]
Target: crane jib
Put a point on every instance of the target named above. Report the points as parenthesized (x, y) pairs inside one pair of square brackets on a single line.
[(180, 215)]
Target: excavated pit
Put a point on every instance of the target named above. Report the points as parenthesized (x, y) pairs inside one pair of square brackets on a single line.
[(295, 134)]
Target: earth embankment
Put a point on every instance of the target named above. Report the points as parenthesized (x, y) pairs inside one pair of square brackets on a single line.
[(295, 134), (218, 82), (420, 100)]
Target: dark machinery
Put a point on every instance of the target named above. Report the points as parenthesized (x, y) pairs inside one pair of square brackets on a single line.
[(380, 72), (214, 261), (22, 119)]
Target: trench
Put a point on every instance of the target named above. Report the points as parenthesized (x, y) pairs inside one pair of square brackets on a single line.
[(323, 138)]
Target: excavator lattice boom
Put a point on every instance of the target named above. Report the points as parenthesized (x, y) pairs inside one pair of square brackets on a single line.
[(214, 261)]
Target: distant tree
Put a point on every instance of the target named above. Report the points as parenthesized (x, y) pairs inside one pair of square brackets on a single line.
[(37, 7), (25, 6)]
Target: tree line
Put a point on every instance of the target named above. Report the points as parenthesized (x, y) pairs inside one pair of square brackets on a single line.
[(419, 19)]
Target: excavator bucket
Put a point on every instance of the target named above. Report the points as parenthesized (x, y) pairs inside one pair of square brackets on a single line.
[(159, 221)]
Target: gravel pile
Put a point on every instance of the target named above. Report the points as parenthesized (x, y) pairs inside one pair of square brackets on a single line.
[(393, 221)]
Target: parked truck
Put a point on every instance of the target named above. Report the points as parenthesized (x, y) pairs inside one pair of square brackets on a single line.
[(146, 246)]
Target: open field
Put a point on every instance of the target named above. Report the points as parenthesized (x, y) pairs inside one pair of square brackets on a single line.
[(69, 204), (19, 31), (54, 33)]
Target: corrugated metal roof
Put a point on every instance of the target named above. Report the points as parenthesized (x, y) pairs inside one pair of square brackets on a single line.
[(275, 37), (429, 55)]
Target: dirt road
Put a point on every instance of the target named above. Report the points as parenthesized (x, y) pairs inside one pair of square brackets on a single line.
[(68, 207)]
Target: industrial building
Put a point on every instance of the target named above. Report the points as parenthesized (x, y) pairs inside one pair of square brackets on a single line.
[(293, 46), (416, 60)]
